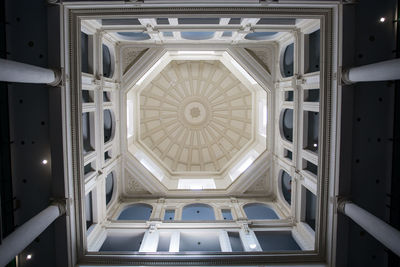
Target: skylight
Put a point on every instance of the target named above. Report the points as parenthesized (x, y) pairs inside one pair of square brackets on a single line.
[(262, 117), (129, 118), (243, 164), (243, 72), (139, 82), (196, 52), (150, 165), (196, 184)]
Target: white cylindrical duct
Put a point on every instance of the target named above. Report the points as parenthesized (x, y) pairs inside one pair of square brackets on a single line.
[(18, 240), (381, 71), (383, 232), (12, 71)]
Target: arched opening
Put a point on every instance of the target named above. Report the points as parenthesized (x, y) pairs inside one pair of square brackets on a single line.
[(200, 20), (134, 36), (199, 241), (108, 125), (197, 35), (311, 130), (140, 212), (312, 52), (169, 215), (107, 62), (198, 212), (87, 132), (109, 187), (123, 241), (276, 240), (89, 210), (84, 52), (259, 36), (286, 186), (310, 207), (259, 211), (286, 125), (106, 96), (87, 96), (287, 61)]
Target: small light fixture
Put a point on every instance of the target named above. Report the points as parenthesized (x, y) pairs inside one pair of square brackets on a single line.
[(253, 246), (315, 145), (44, 162), (29, 256), (382, 19)]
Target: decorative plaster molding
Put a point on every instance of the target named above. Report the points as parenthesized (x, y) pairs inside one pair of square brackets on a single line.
[(129, 55), (297, 176), (259, 185), (244, 225), (300, 80), (264, 55), (133, 186), (234, 200), (153, 225)]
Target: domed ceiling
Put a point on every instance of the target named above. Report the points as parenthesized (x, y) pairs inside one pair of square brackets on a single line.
[(196, 120), (195, 116)]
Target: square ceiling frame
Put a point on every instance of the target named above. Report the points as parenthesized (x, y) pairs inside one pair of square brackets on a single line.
[(73, 13)]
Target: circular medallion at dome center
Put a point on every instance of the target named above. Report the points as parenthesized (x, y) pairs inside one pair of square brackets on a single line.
[(194, 112)]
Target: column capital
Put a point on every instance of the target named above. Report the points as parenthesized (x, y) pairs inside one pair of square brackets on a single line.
[(297, 176), (292, 219), (296, 32), (100, 32), (244, 225), (234, 200), (275, 158), (153, 225), (300, 80)]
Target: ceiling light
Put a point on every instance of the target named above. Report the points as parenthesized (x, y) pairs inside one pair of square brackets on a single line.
[(382, 19), (29, 256), (44, 162), (252, 246), (196, 52)]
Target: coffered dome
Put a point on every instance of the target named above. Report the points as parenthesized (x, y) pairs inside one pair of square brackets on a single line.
[(195, 116)]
